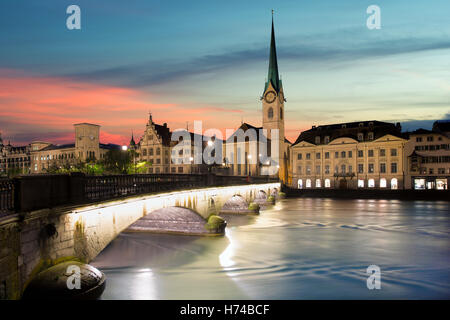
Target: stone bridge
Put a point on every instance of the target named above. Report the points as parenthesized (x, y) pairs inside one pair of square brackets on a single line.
[(35, 240)]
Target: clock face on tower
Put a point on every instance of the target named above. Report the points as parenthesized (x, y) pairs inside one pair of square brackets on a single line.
[(270, 97)]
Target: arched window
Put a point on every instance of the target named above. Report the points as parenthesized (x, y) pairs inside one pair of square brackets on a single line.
[(308, 183), (394, 184), (371, 183), (281, 113), (318, 185), (382, 183), (300, 183), (327, 183), (270, 113)]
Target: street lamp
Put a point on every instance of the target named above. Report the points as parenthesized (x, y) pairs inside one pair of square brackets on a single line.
[(124, 148)]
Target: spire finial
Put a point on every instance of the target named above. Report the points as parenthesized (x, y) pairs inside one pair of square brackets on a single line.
[(272, 12), (150, 116)]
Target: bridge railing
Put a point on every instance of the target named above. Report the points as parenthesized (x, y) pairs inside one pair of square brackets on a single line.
[(6, 196), (33, 192)]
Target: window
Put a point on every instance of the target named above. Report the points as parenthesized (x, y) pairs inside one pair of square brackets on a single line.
[(360, 183), (382, 167), (336, 169), (317, 139), (441, 170), (158, 151), (350, 169), (393, 152), (419, 184), (327, 183), (343, 168), (360, 153), (158, 160), (327, 155), (318, 183), (327, 140), (350, 154), (144, 152), (318, 155), (343, 154), (317, 169), (382, 183), (360, 168), (371, 183), (299, 156), (308, 183), (300, 183), (281, 113), (394, 184), (382, 152), (299, 169), (180, 169), (430, 138), (270, 113), (173, 169), (371, 168), (327, 169), (360, 136), (394, 167), (308, 156), (370, 153), (336, 154), (308, 170), (431, 171), (419, 139)]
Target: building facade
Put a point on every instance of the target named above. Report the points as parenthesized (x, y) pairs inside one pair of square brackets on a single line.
[(368, 154), (14, 159), (87, 147), (428, 158)]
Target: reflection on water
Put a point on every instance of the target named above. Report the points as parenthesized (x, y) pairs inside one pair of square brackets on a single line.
[(296, 249)]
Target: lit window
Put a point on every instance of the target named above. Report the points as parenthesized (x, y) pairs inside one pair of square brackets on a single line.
[(419, 184), (394, 184), (308, 183), (327, 183), (317, 183), (382, 183), (300, 184), (371, 183), (360, 183)]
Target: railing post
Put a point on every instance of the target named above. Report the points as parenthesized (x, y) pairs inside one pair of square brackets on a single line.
[(77, 187)]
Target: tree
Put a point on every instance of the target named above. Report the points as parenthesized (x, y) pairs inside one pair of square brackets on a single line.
[(117, 161)]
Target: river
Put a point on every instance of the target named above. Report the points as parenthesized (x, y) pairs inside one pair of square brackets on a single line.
[(297, 249)]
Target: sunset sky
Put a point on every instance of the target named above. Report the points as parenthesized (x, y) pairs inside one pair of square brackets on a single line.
[(208, 60)]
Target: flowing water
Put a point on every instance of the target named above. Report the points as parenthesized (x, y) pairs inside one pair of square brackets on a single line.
[(297, 249)]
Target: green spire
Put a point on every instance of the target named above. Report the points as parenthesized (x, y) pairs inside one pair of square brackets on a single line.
[(273, 76)]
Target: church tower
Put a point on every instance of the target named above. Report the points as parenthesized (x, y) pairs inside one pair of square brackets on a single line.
[(273, 103)]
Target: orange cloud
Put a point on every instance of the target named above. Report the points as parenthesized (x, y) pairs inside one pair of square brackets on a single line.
[(45, 108)]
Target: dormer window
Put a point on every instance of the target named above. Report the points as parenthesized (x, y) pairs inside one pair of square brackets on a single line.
[(327, 140), (360, 136), (317, 139), (344, 126), (361, 124), (370, 135)]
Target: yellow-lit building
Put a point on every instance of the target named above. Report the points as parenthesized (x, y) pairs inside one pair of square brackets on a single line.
[(366, 154), (428, 158), (87, 146)]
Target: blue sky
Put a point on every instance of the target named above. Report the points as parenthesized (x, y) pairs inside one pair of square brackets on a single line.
[(208, 60)]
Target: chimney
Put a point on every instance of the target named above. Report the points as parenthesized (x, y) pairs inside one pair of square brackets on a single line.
[(165, 125)]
